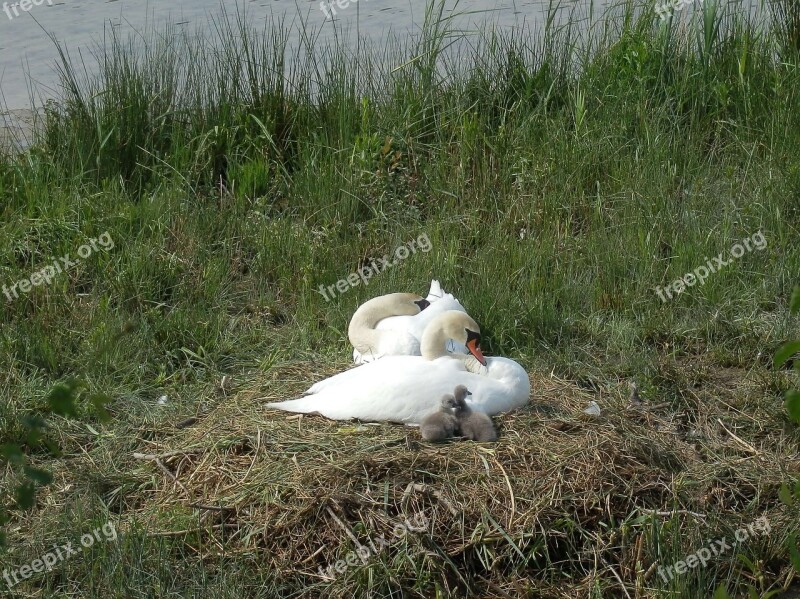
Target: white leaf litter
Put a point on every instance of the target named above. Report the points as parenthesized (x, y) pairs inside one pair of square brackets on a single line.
[(593, 409)]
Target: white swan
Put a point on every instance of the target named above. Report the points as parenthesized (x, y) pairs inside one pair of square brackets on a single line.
[(407, 388), (403, 326), (368, 340)]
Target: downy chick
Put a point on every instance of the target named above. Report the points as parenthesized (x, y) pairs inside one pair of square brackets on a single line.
[(440, 425), (475, 426)]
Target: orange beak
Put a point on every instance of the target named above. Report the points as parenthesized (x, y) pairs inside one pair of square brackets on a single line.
[(475, 350)]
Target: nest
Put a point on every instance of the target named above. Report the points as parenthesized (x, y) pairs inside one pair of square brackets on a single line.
[(561, 502)]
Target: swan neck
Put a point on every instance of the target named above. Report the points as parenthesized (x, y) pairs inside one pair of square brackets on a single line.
[(362, 332), (434, 343)]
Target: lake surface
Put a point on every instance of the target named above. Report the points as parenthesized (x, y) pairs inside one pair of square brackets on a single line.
[(28, 54)]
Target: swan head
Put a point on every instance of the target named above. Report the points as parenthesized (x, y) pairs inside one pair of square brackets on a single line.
[(461, 392), (460, 327), (459, 395), (449, 402), (400, 304), (420, 302)]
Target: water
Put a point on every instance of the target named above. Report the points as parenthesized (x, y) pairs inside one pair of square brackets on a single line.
[(28, 54)]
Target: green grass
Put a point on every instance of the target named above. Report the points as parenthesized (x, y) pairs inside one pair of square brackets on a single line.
[(561, 178)]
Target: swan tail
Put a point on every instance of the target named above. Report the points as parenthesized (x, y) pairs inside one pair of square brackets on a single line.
[(436, 291), (301, 405)]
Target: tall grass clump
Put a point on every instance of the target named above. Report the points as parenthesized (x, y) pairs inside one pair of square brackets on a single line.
[(786, 24)]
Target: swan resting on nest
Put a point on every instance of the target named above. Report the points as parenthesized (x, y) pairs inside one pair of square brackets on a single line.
[(405, 389)]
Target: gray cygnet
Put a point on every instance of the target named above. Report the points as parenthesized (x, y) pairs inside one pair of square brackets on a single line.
[(475, 426), (440, 425)]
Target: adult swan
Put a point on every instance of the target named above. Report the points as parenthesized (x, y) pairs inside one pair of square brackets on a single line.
[(397, 330), (370, 341), (407, 388)]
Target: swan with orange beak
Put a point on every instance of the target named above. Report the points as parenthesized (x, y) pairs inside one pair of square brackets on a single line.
[(407, 388)]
